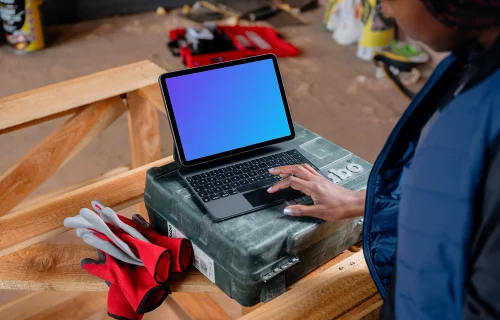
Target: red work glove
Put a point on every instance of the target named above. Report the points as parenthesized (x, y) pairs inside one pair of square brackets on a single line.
[(181, 249), (118, 306), (156, 259), (142, 292)]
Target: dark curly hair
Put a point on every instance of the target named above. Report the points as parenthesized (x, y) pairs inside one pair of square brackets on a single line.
[(466, 14)]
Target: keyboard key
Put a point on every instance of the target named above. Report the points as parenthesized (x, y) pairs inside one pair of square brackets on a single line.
[(203, 194), (199, 189), (226, 187), (229, 174), (211, 174), (209, 185), (243, 182), (237, 172), (235, 184), (202, 181), (261, 171), (214, 197), (255, 185), (232, 191), (194, 184), (206, 199), (270, 164), (217, 183), (267, 175), (196, 177), (220, 176), (260, 160), (254, 167), (252, 174), (252, 180), (239, 166), (260, 177), (243, 176), (292, 152), (211, 179), (226, 181), (235, 178), (245, 170), (230, 168), (204, 175), (189, 179), (254, 161), (217, 189), (263, 165), (224, 194), (210, 191)]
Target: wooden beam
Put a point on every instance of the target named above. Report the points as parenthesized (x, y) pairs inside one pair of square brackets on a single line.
[(67, 95), (57, 268), (38, 121), (33, 303), (144, 134), (79, 307), (330, 295), (55, 150), (39, 222), (368, 310), (200, 306), (73, 187), (153, 94)]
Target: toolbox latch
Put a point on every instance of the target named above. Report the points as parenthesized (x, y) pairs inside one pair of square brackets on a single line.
[(279, 269)]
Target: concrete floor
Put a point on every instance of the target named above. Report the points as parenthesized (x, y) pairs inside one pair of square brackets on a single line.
[(329, 90)]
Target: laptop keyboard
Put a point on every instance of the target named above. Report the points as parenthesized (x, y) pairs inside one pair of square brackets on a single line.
[(242, 177)]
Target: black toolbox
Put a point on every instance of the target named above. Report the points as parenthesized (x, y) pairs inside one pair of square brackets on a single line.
[(254, 257)]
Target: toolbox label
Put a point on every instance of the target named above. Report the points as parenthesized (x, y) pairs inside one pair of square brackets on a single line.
[(201, 260)]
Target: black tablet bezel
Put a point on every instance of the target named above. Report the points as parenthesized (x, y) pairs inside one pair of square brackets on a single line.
[(171, 116)]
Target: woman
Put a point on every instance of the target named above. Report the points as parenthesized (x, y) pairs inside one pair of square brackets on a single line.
[(432, 206)]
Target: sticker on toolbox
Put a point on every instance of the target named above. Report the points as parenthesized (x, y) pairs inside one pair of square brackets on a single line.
[(201, 260)]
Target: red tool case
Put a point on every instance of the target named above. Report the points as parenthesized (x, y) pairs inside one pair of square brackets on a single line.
[(247, 41)]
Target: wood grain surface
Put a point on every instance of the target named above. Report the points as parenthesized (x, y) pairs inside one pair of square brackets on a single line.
[(330, 295), (55, 150), (60, 97), (44, 220)]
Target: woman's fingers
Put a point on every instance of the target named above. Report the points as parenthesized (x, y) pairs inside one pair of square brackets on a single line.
[(315, 211), (297, 170), (294, 183), (311, 169)]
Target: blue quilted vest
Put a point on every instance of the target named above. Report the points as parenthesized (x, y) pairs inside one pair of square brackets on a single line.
[(419, 205)]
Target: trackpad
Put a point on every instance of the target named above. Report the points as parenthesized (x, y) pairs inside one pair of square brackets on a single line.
[(261, 197)]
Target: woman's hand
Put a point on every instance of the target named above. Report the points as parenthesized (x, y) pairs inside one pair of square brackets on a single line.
[(331, 202)]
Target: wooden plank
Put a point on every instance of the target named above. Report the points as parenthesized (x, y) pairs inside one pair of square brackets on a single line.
[(78, 185), (33, 303), (60, 97), (55, 150), (153, 94), (144, 134), (332, 294), (77, 308), (368, 310), (341, 257), (38, 121), (200, 306), (57, 268), (39, 222)]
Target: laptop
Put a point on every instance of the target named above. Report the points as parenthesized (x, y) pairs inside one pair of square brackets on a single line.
[(231, 123)]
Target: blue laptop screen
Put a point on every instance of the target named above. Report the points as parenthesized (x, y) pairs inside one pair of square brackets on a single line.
[(228, 108)]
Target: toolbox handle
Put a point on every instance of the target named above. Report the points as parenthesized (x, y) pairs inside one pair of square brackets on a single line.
[(173, 46)]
